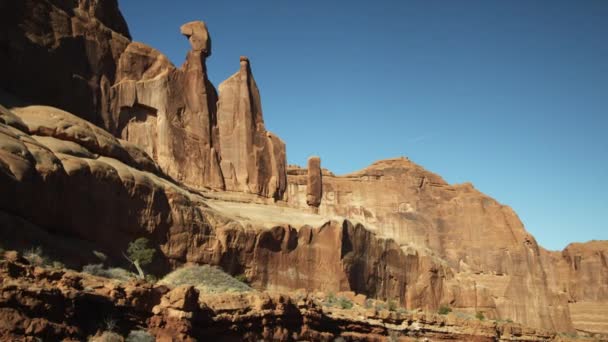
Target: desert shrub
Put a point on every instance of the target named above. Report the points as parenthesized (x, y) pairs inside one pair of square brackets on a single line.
[(140, 336), (444, 310), (509, 320), (206, 278), (369, 303), (58, 265), (392, 305), (112, 273), (109, 324), (380, 306), (341, 302), (345, 303), (150, 278), (242, 278), (479, 315), (36, 256)]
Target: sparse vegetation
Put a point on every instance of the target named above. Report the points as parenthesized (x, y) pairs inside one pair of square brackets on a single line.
[(205, 278), (112, 273), (369, 303), (58, 265), (479, 315), (444, 310), (380, 306), (140, 336), (242, 278), (36, 256), (338, 301), (140, 254), (392, 305)]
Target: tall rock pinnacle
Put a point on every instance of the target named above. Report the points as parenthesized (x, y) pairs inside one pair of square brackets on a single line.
[(253, 160)]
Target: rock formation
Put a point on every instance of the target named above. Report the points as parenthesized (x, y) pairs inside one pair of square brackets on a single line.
[(253, 160), (170, 111), (314, 183), (497, 265), (148, 151), (56, 305), (62, 53)]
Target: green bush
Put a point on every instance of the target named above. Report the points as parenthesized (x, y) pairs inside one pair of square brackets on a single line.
[(345, 303), (444, 310), (341, 302), (207, 279), (479, 315), (242, 278), (140, 336)]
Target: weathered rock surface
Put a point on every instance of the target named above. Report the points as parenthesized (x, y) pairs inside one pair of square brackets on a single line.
[(392, 231), (52, 304), (172, 113), (580, 271), (253, 160), (62, 53), (169, 111), (314, 183), (497, 265)]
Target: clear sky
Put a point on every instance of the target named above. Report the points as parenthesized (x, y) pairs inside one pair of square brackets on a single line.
[(509, 95)]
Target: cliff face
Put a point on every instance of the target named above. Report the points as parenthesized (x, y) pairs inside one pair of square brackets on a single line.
[(496, 264), (62, 53), (153, 150)]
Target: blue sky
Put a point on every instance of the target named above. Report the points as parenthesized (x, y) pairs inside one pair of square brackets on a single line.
[(509, 95)]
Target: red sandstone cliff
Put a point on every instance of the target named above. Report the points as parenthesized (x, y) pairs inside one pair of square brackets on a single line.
[(160, 145)]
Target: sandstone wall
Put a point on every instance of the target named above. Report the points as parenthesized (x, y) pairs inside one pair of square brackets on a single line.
[(498, 265), (62, 53)]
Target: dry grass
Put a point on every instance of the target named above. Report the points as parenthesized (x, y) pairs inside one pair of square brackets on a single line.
[(207, 279)]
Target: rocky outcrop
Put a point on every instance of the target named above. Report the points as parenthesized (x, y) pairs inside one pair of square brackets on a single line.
[(314, 184), (392, 231), (54, 304), (253, 160), (62, 53), (497, 265), (170, 112), (580, 272)]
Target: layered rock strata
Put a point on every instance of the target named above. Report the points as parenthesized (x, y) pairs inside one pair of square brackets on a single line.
[(48, 304), (63, 53), (498, 267)]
